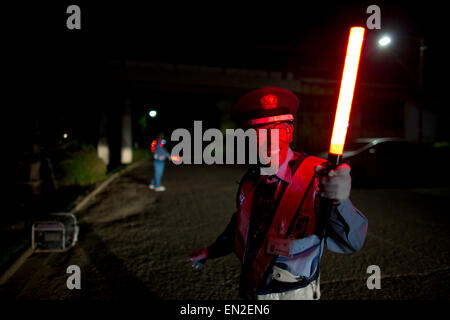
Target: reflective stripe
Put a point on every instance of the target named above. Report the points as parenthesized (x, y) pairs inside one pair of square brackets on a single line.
[(284, 117)]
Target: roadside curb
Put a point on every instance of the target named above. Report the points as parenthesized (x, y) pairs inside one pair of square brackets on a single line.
[(15, 266), (82, 204)]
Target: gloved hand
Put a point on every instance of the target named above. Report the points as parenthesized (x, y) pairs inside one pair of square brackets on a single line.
[(336, 185), (175, 159), (198, 258)]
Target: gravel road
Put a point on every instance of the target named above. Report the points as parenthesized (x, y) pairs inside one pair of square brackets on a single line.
[(134, 242)]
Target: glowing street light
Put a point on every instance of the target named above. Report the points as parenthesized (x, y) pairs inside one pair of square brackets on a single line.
[(152, 113), (384, 41)]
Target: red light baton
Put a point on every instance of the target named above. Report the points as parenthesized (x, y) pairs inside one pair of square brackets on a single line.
[(344, 105)]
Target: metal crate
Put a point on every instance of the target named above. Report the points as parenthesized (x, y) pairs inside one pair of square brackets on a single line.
[(58, 234)]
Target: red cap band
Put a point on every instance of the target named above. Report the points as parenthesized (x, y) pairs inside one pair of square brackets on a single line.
[(283, 117)]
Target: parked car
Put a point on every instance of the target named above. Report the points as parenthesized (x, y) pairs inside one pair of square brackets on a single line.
[(385, 161)]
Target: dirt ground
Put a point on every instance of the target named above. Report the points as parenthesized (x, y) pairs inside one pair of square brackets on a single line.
[(134, 243)]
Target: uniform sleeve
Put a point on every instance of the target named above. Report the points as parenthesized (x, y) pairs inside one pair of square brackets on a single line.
[(224, 244), (347, 229)]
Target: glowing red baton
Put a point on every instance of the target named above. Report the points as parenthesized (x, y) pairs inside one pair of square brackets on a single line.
[(342, 116), (344, 105)]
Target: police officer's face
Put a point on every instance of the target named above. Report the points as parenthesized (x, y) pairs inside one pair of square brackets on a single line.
[(268, 139)]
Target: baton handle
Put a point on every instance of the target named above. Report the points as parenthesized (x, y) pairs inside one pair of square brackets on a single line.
[(326, 205), (333, 161)]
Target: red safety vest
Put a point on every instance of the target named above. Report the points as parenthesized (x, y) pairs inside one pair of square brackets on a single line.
[(299, 193)]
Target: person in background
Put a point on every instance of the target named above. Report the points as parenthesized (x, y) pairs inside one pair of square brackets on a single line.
[(160, 154)]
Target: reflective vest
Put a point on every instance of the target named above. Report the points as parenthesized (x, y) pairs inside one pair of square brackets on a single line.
[(297, 197)]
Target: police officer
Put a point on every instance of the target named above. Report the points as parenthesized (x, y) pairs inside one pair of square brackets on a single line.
[(276, 230)]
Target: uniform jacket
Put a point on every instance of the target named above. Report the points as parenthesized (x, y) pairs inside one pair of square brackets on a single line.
[(159, 152), (347, 229)]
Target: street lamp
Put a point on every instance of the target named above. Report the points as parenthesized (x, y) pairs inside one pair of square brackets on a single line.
[(152, 113), (385, 41)]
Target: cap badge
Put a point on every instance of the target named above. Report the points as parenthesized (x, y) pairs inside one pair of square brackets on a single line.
[(269, 101)]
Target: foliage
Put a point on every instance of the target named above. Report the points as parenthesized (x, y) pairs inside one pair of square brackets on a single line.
[(139, 154), (143, 123), (81, 166), (441, 145)]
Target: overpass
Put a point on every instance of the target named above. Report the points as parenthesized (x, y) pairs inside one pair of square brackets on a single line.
[(319, 95)]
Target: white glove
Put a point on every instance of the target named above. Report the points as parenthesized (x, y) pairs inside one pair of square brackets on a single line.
[(336, 185), (198, 258)]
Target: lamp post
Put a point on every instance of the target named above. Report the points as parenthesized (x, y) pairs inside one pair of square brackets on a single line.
[(421, 54), (385, 41)]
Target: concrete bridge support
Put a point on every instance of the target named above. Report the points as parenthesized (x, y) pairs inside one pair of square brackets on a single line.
[(126, 151)]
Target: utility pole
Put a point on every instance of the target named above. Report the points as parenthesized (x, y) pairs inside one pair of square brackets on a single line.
[(422, 49)]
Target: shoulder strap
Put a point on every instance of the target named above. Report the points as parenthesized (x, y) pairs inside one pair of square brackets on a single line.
[(295, 193)]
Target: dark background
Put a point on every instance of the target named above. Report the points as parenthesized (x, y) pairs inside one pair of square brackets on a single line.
[(78, 81), (61, 76)]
